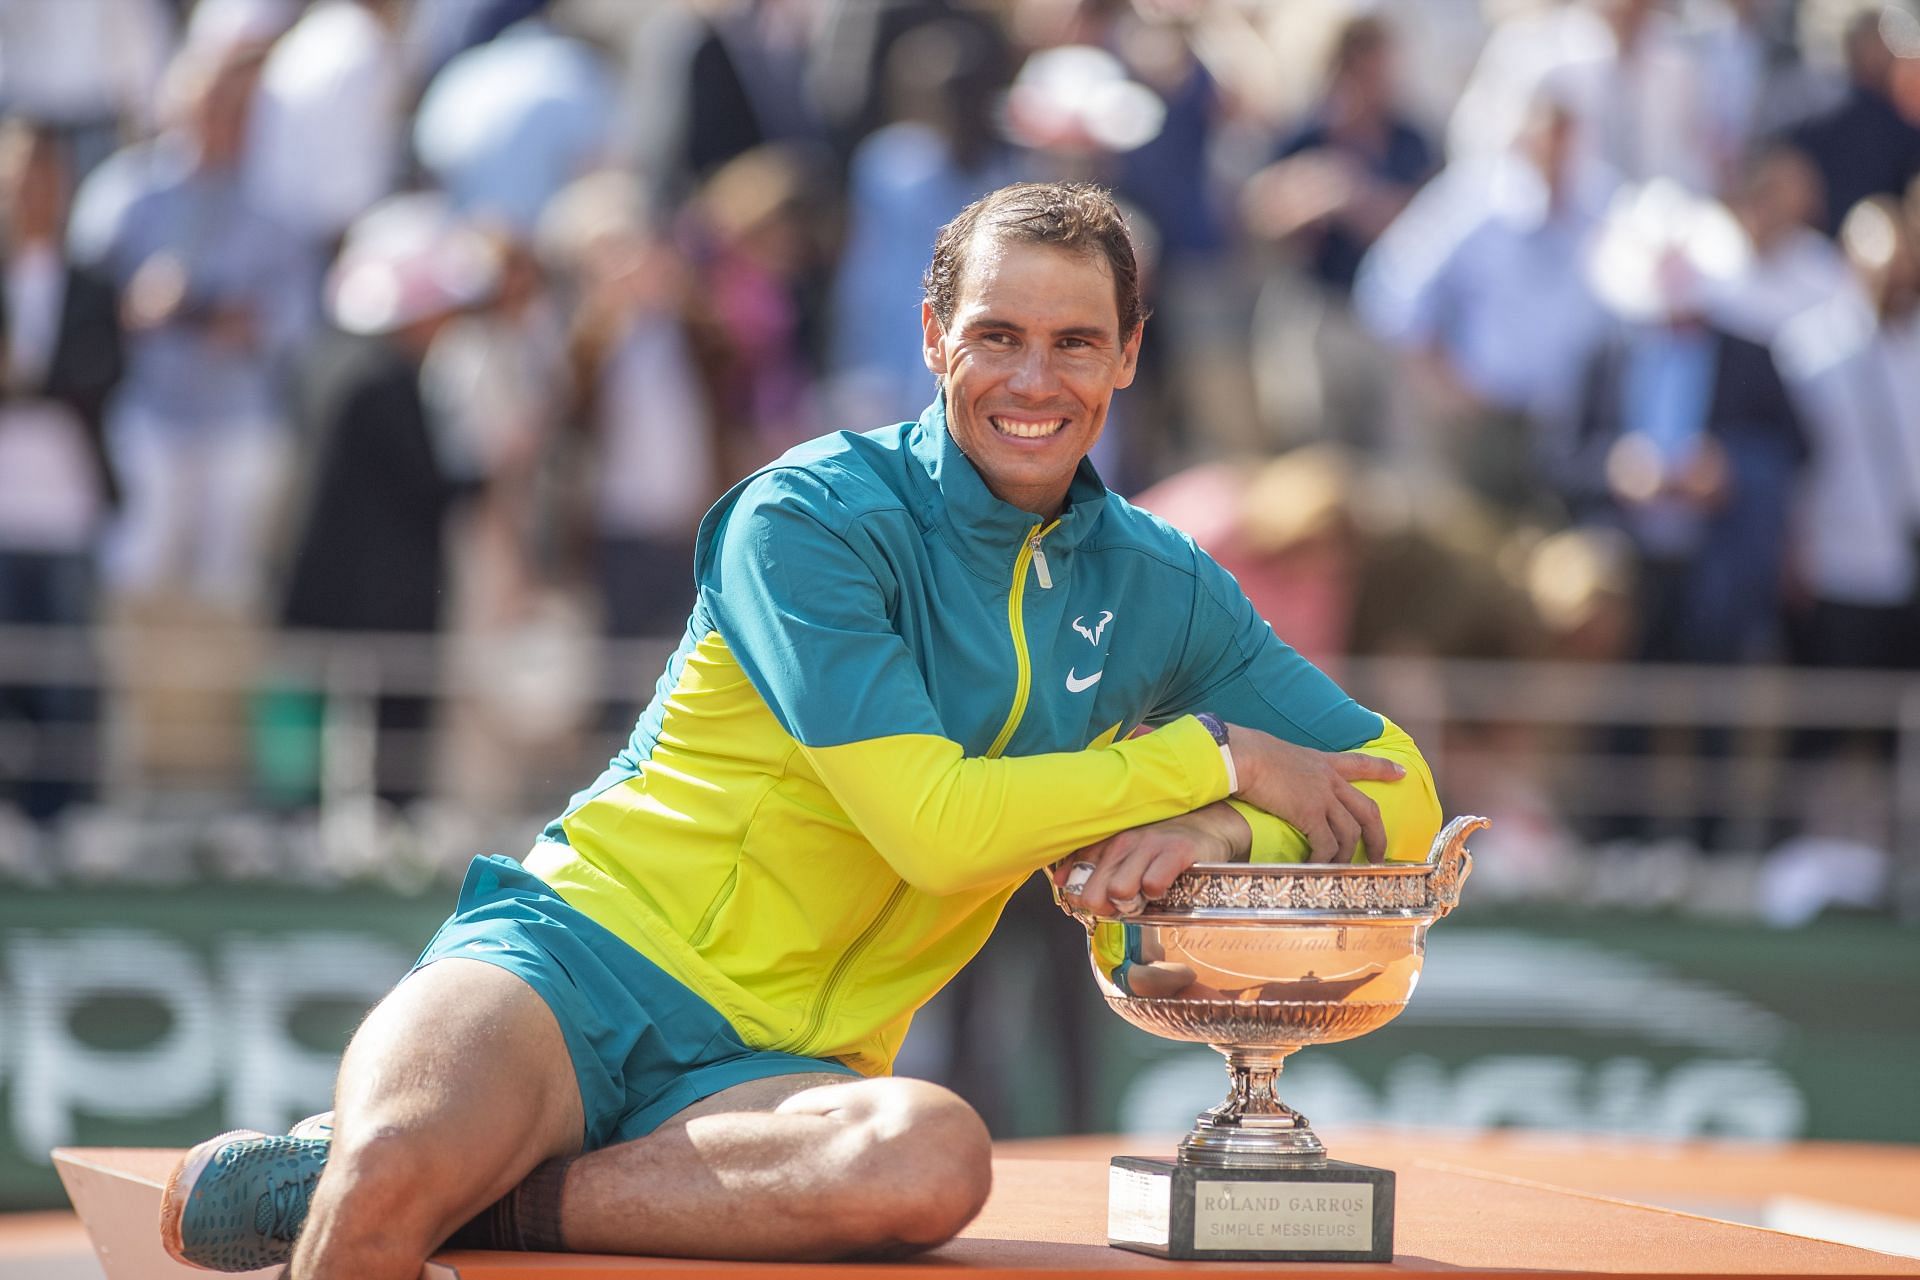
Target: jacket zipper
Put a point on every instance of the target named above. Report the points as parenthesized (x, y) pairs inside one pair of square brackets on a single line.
[(1016, 624), (1029, 550)]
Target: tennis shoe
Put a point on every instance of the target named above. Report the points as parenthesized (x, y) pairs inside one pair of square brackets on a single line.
[(237, 1202)]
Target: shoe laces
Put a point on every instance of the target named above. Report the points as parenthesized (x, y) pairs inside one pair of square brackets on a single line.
[(282, 1210)]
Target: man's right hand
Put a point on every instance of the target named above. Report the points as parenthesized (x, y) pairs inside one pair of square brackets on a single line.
[(1314, 791)]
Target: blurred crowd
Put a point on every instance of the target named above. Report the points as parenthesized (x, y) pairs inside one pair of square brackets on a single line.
[(1480, 328)]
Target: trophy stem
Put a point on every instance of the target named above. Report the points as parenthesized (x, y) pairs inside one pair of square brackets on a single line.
[(1253, 1128)]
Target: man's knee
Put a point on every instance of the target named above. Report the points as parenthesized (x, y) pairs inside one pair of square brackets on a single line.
[(921, 1167), (386, 1182)]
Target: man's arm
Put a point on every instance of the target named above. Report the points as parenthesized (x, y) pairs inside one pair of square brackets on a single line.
[(1235, 667), (805, 611)]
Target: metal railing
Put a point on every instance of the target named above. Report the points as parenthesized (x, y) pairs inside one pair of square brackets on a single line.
[(1606, 747)]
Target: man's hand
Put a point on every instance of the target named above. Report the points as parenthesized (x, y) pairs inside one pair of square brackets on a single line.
[(1314, 791), (1140, 862)]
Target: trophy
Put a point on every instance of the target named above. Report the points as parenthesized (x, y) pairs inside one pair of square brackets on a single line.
[(1259, 960)]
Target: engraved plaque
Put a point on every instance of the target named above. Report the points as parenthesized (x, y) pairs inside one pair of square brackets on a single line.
[(1333, 1216)]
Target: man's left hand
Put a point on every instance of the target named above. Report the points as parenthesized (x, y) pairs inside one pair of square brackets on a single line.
[(1139, 863)]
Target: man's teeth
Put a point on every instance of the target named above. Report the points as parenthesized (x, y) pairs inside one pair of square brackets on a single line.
[(1028, 430)]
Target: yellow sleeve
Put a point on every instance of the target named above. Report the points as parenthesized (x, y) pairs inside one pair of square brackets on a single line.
[(947, 822), (1409, 808)]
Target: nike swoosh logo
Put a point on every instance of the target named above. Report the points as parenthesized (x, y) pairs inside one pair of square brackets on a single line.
[(1078, 684)]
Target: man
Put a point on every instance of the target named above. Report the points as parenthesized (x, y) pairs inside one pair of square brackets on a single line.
[(1684, 437), (906, 685), (1854, 367), (213, 300), (368, 551), (1478, 283), (1337, 182), (1864, 146), (59, 361)]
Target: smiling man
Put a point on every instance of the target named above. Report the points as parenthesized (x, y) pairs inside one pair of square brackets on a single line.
[(912, 677)]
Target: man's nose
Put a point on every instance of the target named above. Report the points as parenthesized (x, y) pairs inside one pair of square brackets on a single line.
[(1033, 373)]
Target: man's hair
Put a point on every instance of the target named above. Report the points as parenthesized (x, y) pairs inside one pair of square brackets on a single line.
[(1076, 216)]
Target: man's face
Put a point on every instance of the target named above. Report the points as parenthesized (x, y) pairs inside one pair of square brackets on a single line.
[(1030, 362)]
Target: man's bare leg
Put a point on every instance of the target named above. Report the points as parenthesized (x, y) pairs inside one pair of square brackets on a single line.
[(455, 1087), (460, 1083), (802, 1167)]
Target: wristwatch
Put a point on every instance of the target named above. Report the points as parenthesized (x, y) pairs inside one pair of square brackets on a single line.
[(1214, 725)]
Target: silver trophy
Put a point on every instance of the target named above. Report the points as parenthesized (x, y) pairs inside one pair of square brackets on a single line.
[(1260, 960)]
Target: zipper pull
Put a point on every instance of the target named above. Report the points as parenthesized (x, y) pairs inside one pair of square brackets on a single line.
[(1040, 565)]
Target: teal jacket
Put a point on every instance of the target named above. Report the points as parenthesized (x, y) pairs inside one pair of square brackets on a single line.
[(896, 697)]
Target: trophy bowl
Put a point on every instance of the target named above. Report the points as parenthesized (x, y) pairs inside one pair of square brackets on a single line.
[(1259, 960)]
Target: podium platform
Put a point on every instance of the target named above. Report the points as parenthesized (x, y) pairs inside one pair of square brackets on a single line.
[(1472, 1207)]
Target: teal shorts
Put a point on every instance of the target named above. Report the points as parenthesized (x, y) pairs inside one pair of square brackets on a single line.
[(643, 1046)]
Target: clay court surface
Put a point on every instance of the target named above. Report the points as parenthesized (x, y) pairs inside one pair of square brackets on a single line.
[(1469, 1206)]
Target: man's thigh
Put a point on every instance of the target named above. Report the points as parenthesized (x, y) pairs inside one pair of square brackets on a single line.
[(464, 1053), (770, 1094)]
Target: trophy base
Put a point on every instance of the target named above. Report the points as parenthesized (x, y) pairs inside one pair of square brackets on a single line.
[(1335, 1212)]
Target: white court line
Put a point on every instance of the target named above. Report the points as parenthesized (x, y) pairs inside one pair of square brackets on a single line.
[(1842, 1224)]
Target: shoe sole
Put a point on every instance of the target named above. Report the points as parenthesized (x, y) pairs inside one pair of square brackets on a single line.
[(179, 1189)]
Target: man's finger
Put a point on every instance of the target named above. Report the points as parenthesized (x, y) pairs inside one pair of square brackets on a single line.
[(1346, 830), (1321, 846), (1166, 864), (1357, 766), (1372, 830), (1095, 853), (1118, 879)]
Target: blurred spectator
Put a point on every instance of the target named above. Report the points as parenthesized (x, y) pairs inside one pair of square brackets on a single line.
[(1685, 436), (906, 181), (1200, 289), (1581, 585), (758, 249), (1791, 267), (89, 70), (369, 551), (1351, 166), (495, 383), (1855, 367), (1342, 558), (60, 340), (1336, 183), (508, 123), (712, 81), (1623, 67), (327, 123), (438, 30), (643, 402), (1864, 147), (212, 299), (216, 26), (1753, 83), (1480, 281), (853, 63), (1285, 530)]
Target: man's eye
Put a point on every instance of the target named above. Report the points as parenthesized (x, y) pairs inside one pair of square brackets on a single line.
[(998, 339)]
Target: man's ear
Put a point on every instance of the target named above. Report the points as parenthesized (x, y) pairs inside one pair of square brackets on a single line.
[(1129, 358), (933, 350)]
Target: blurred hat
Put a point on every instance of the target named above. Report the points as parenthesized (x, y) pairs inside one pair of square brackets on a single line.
[(1664, 252), (408, 259), (1297, 497), (1075, 96)]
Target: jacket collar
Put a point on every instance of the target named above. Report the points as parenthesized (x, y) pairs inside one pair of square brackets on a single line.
[(985, 531)]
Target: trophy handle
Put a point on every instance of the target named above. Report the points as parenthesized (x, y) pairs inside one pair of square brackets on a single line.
[(1451, 862)]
